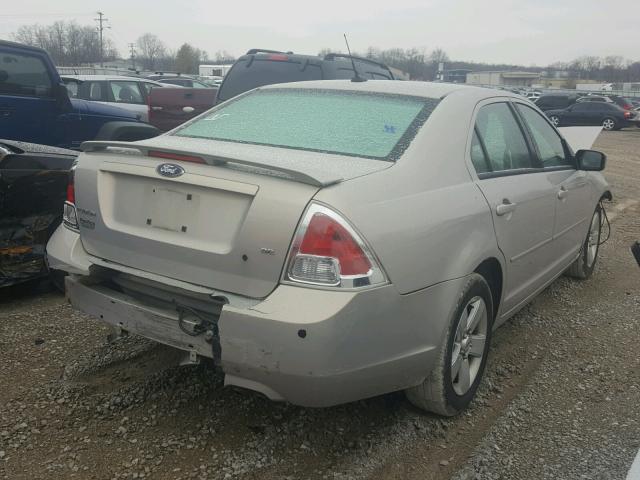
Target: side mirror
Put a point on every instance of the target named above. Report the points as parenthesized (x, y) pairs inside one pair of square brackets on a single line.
[(61, 95), (591, 160)]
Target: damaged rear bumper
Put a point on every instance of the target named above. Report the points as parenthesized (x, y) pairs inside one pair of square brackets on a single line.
[(307, 346)]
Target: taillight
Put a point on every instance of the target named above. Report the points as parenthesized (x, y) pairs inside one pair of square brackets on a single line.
[(71, 188), (69, 214), (327, 251), (278, 57), (628, 114)]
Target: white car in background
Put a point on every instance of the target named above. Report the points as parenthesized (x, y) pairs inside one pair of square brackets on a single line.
[(129, 93), (533, 95)]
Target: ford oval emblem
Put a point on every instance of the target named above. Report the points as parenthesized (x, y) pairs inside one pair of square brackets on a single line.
[(170, 170)]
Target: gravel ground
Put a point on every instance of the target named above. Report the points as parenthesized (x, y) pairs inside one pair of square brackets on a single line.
[(560, 398)]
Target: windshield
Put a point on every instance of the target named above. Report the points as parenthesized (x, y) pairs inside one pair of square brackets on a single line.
[(369, 125)]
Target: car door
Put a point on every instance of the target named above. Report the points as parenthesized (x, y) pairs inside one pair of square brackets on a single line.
[(128, 95), (594, 113), (521, 199), (573, 208), (28, 108), (577, 114)]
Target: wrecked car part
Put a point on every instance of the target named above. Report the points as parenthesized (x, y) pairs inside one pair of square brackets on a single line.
[(33, 180)]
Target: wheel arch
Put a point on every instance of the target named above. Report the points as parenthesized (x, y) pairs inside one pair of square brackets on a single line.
[(491, 270)]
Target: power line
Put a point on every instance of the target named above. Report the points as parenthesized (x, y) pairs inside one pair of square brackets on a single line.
[(101, 20), (132, 49), (38, 15)]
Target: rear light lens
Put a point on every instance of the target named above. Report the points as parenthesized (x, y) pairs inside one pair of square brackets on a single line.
[(69, 214), (628, 115), (327, 251)]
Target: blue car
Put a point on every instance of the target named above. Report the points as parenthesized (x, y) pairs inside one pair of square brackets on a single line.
[(35, 106)]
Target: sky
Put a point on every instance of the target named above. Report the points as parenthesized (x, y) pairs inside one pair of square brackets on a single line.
[(524, 32)]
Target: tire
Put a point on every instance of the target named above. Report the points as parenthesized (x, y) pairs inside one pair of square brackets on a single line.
[(439, 393), (555, 120), (585, 264), (56, 277), (609, 124)]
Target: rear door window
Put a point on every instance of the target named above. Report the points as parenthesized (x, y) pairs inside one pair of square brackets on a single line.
[(478, 158), (259, 72), (24, 75), (126, 92), (502, 138), (583, 107), (549, 144), (148, 87), (95, 91)]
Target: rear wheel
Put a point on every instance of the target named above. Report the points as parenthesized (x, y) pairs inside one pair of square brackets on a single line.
[(585, 264), (555, 120), (609, 124), (454, 379)]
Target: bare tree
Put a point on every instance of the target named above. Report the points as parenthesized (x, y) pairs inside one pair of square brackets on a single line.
[(222, 56), (67, 42), (438, 56), (151, 49)]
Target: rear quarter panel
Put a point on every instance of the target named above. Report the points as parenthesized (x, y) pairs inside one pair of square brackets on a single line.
[(424, 217)]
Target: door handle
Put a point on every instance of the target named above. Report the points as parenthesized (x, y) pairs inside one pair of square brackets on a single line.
[(562, 193), (505, 207)]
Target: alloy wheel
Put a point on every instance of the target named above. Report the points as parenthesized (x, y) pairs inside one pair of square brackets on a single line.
[(608, 124), (555, 120), (469, 345)]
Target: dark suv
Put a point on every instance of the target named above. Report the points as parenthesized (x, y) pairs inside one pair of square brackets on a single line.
[(555, 101), (265, 67)]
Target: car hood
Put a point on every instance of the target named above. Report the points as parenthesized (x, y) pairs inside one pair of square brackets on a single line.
[(96, 108)]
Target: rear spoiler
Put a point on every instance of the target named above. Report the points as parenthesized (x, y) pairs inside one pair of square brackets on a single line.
[(215, 160)]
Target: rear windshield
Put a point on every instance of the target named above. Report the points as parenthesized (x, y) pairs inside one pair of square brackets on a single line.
[(369, 125), (242, 78)]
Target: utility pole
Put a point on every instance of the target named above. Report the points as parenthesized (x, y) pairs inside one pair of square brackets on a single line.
[(100, 21), (132, 49)]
